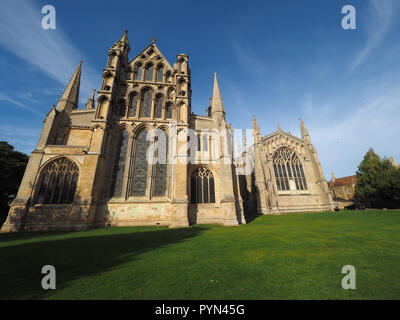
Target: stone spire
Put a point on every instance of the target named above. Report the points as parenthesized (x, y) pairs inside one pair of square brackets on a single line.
[(91, 101), (217, 106), (71, 92)]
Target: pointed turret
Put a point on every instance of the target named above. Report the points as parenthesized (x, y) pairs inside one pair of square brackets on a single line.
[(71, 93), (244, 140), (124, 38), (256, 130), (217, 106), (122, 44), (304, 131), (91, 102)]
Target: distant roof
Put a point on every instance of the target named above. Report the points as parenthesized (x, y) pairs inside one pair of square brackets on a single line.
[(345, 181)]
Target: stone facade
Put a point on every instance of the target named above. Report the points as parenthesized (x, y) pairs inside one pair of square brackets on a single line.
[(342, 190), (100, 166)]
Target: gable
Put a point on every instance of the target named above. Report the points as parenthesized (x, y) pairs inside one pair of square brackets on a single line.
[(151, 54)]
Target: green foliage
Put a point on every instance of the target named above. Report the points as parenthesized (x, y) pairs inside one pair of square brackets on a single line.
[(12, 167), (378, 182)]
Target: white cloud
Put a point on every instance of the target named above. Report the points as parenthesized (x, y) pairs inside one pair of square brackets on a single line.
[(342, 138), (7, 98), (49, 50), (380, 17)]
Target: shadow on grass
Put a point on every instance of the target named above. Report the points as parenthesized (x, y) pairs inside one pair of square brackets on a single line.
[(73, 258)]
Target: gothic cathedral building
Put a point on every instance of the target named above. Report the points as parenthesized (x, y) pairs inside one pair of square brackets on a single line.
[(137, 155)]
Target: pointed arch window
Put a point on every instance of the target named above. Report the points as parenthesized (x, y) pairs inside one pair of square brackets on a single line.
[(138, 72), (160, 71), (140, 167), (168, 111), (133, 105), (202, 186), (158, 106), (161, 149), (149, 72), (120, 161), (288, 170), (147, 99), (58, 182)]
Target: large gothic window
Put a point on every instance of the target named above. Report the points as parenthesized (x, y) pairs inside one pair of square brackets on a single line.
[(288, 169), (160, 181), (202, 186), (139, 180), (147, 98), (119, 170), (58, 182), (158, 106), (133, 106), (149, 72)]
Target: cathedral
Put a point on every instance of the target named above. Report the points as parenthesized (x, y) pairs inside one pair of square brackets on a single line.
[(138, 155)]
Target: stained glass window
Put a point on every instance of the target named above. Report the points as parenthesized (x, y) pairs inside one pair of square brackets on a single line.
[(158, 106), (160, 187), (58, 182), (139, 179), (168, 111), (149, 72), (160, 74), (288, 170), (133, 106), (120, 161), (138, 73), (202, 186), (146, 103)]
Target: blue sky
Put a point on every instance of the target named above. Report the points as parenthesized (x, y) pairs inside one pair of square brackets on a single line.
[(277, 59)]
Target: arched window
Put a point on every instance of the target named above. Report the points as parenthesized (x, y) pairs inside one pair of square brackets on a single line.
[(138, 72), (289, 173), (139, 179), (58, 182), (160, 73), (158, 106), (119, 169), (133, 106), (149, 72), (168, 111), (147, 97), (160, 181), (202, 186)]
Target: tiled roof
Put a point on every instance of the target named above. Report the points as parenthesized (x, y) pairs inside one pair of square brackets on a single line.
[(345, 181)]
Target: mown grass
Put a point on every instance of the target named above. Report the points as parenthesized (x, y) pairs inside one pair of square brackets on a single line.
[(273, 257)]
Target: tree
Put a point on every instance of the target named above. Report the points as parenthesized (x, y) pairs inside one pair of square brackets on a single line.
[(378, 182), (12, 168)]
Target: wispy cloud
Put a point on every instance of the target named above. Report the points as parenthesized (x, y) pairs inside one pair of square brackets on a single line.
[(49, 50), (342, 139), (246, 53), (380, 17), (7, 98), (21, 137)]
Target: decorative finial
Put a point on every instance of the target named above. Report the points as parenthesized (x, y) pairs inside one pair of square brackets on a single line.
[(279, 127), (153, 40)]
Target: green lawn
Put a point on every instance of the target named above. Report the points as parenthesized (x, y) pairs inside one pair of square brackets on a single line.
[(272, 257)]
